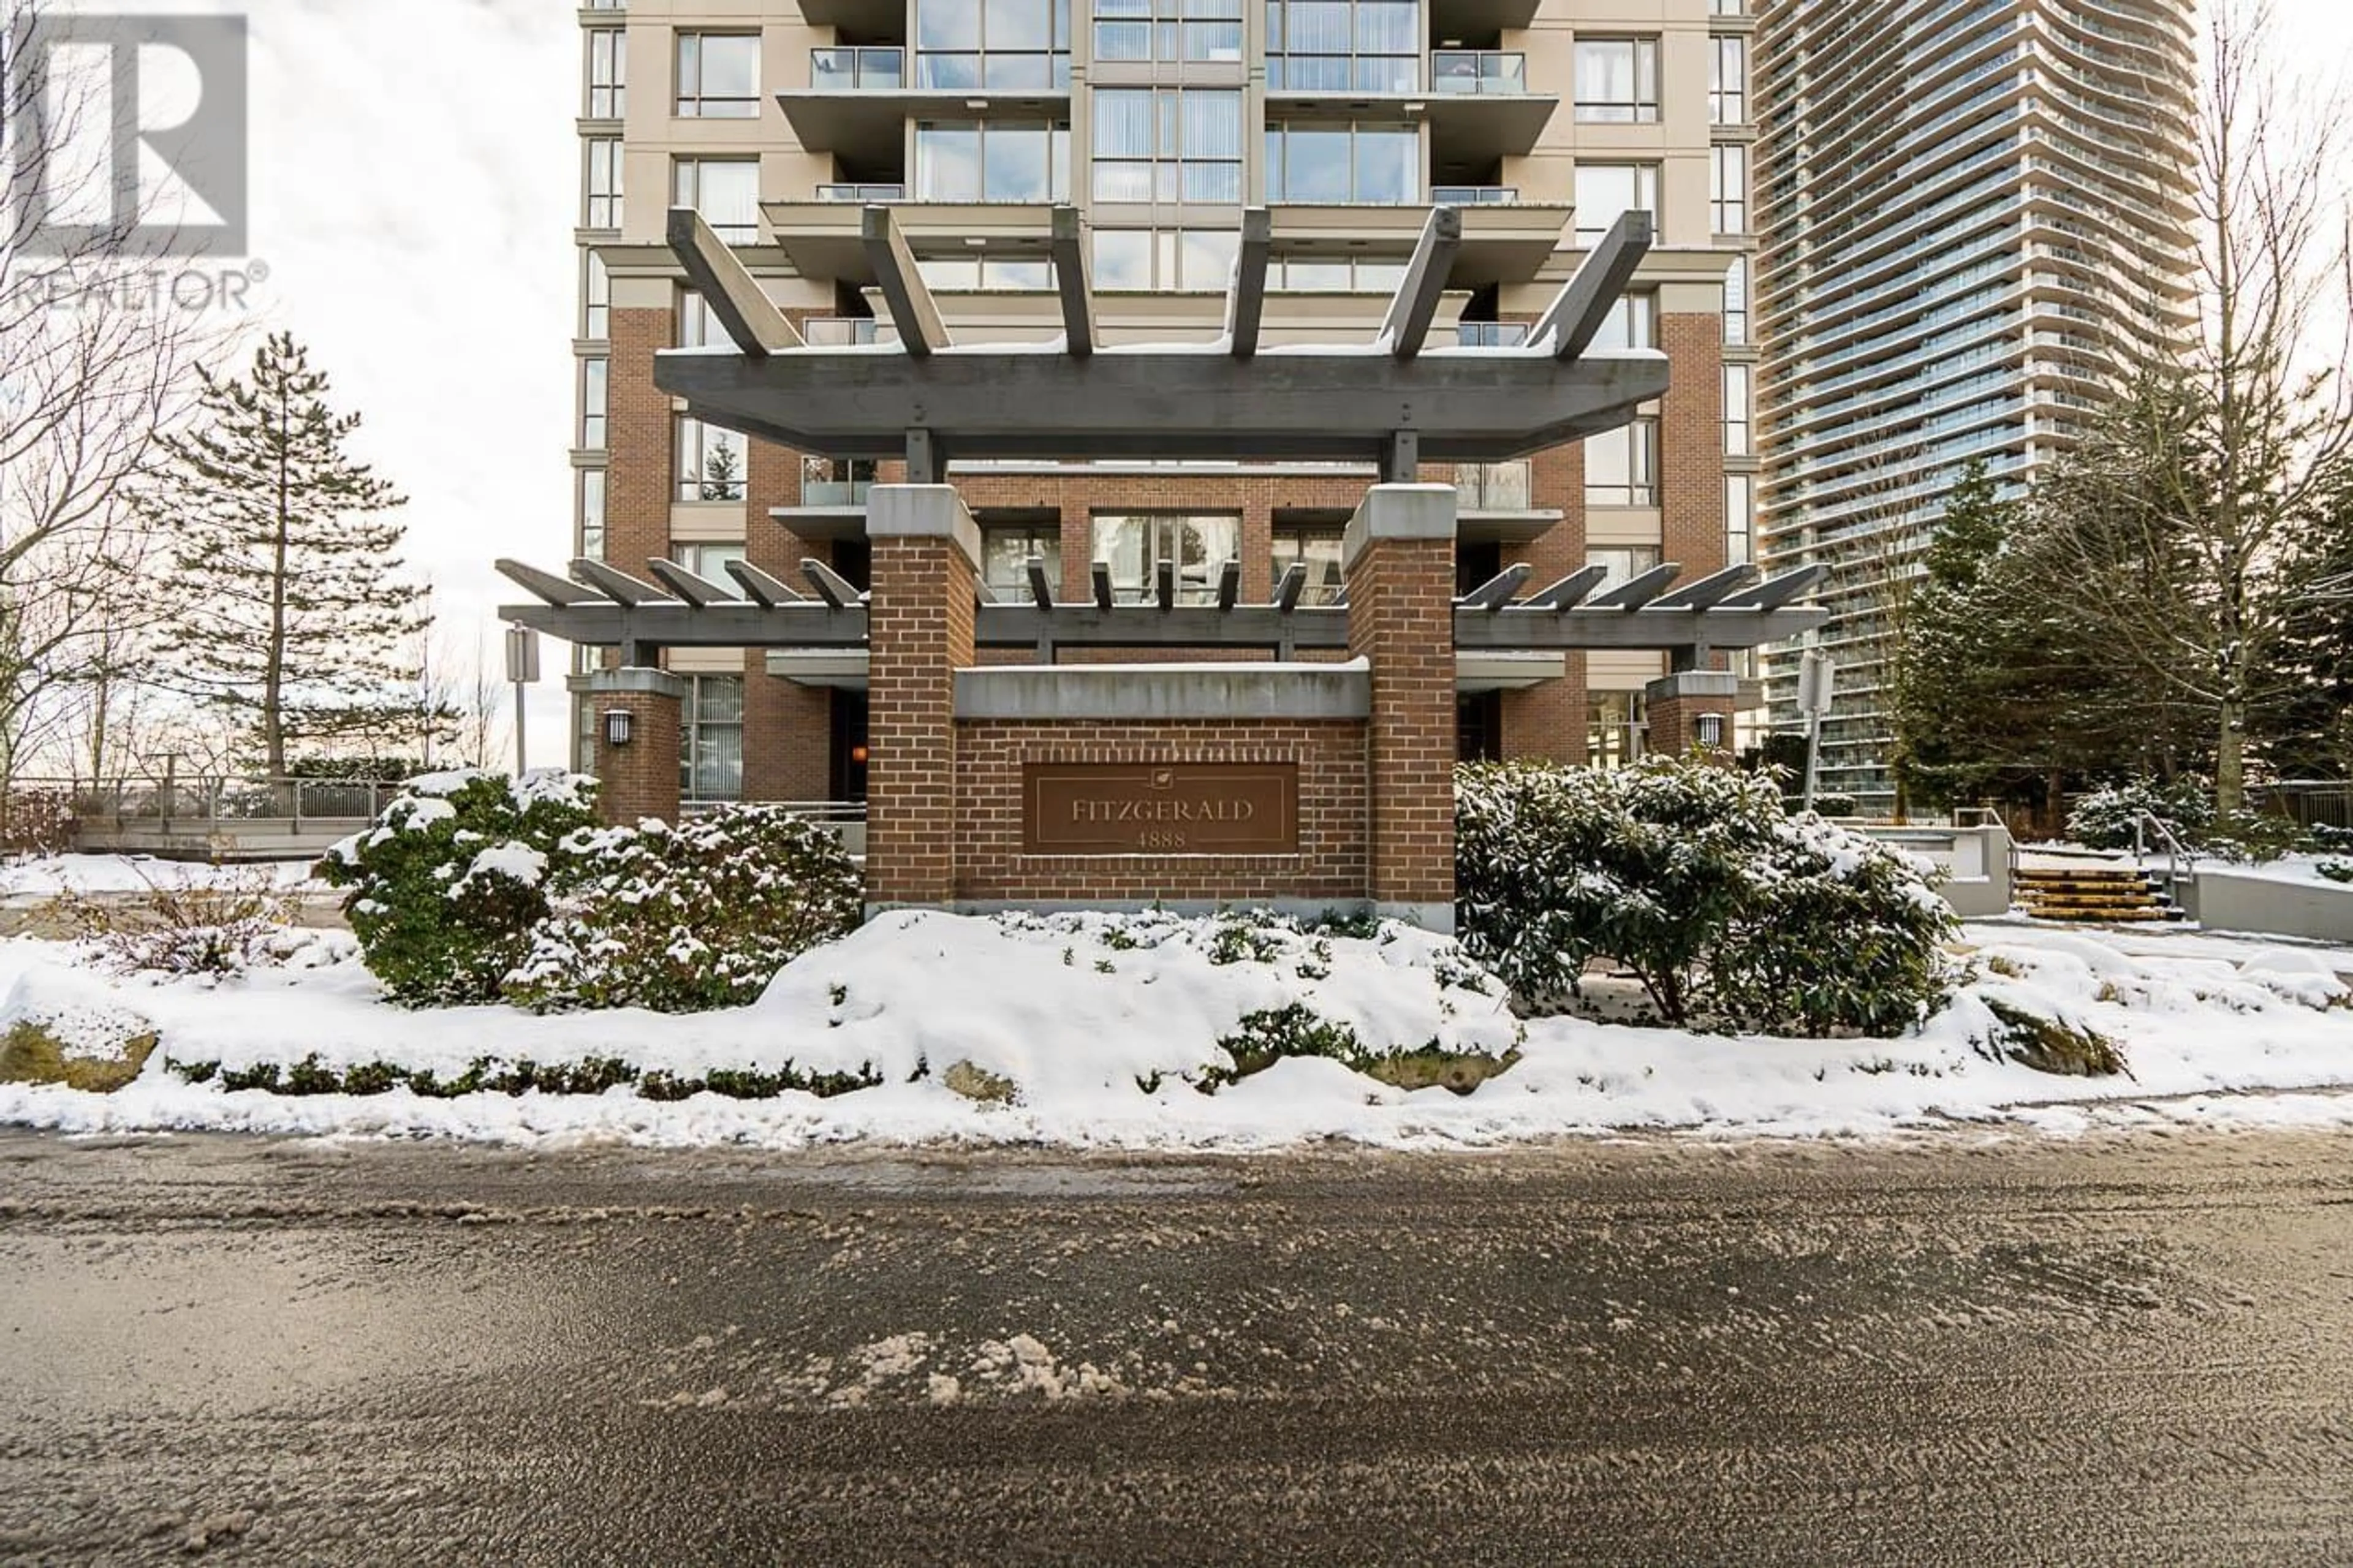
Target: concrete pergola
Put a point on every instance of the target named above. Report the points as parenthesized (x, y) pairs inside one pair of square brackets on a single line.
[(1391, 401)]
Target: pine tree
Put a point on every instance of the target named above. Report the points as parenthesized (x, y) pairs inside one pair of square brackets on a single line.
[(291, 613)]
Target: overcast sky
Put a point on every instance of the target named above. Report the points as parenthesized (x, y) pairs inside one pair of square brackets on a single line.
[(415, 176)]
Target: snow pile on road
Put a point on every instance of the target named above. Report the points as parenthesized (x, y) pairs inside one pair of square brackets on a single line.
[(1103, 1025)]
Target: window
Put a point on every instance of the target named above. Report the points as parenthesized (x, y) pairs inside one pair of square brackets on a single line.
[(1293, 275), (1623, 561), (726, 191), (719, 75), (592, 401), (1005, 559), (1606, 190), (608, 68), (1317, 549), (1622, 465), (708, 562), (1133, 543), (1739, 519), (1727, 189), (1195, 261), (1632, 323), (1736, 301), (696, 330), (1739, 433), (1344, 45), (1727, 7), (1727, 80), (604, 204), (1312, 162), (591, 514), (1618, 80), (966, 274), (1168, 29), (1613, 729), (967, 44), (992, 161), (595, 297), (1163, 144), (711, 462), (711, 742)]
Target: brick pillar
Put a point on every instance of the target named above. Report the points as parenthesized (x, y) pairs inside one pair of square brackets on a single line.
[(640, 779), (1398, 556), (1675, 705), (927, 553)]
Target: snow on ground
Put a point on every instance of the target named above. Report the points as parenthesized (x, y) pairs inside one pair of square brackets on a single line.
[(1097, 1026), (47, 876)]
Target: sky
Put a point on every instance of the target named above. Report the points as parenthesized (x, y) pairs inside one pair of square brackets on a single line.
[(415, 174)]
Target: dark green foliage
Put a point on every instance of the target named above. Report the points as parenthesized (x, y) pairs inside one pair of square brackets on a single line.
[(1692, 877), (440, 915), (487, 1075), (684, 918), (1264, 1038), (2107, 818), (2336, 870), (2049, 1044)]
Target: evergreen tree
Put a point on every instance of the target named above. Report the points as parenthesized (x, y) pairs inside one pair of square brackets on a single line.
[(2307, 731), (291, 614)]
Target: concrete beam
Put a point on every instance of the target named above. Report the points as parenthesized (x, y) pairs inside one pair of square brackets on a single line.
[(1639, 590), (1040, 591), (987, 403), (699, 592), (619, 585), (908, 297), (1143, 692), (1775, 592), (1293, 583), (734, 297), (1576, 313), (1068, 247), (838, 592), (1246, 297), (1497, 591), (1570, 590), (1415, 304), (1654, 631), (1709, 591), (547, 585), (1230, 585), (761, 588), (1098, 576)]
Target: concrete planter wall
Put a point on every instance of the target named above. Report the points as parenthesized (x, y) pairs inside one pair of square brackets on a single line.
[(1976, 862), (2265, 905)]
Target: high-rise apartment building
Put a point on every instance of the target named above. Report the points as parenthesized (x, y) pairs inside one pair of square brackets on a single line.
[(1160, 122), (1975, 216)]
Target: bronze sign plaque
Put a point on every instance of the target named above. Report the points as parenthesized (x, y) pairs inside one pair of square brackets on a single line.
[(1160, 808)]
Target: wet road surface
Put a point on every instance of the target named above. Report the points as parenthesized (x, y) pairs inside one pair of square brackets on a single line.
[(1947, 1352)]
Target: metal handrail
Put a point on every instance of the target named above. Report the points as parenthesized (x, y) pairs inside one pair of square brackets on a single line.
[(2175, 851)]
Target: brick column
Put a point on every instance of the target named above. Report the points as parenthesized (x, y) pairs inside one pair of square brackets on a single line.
[(640, 779), (1398, 556), (926, 558), (1675, 703)]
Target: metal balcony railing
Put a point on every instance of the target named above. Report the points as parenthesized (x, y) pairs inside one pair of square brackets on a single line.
[(224, 802), (871, 69), (1477, 70)]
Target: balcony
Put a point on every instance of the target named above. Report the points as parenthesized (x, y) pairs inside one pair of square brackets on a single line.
[(1474, 195), (833, 494), (841, 331), (859, 100), (858, 70), (1479, 18), (861, 195), (1490, 335), (1496, 500), (823, 239), (1478, 71), (1502, 242)]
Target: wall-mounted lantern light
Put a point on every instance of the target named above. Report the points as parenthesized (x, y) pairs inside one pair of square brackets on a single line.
[(618, 724)]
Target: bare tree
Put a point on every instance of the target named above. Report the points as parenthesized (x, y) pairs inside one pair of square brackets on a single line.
[(92, 366), (2212, 470)]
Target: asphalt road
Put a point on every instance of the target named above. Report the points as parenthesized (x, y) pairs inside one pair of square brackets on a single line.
[(1662, 1352)]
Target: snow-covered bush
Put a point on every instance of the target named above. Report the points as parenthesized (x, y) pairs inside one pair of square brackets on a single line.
[(448, 885), (2105, 818), (1693, 878), (682, 918), (2336, 870), (219, 924)]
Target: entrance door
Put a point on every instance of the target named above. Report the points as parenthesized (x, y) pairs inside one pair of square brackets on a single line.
[(846, 767)]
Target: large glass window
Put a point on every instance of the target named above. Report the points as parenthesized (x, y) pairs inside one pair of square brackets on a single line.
[(592, 401), (1318, 550), (962, 45), (1310, 161), (1739, 519), (595, 297), (708, 562), (1622, 562), (1605, 191), (965, 274), (726, 191), (1632, 323), (1618, 80), (1344, 45), (1727, 80), (710, 742), (1297, 275), (719, 75), (1739, 432), (1736, 301), (1166, 144), (1133, 543), (1168, 29), (603, 209), (1613, 729), (591, 514), (696, 330), (992, 161), (1191, 260), (1005, 554), (711, 463), (1622, 465), (1727, 189), (608, 67)]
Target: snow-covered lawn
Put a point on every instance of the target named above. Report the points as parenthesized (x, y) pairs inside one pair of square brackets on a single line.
[(1100, 1029), (47, 876)]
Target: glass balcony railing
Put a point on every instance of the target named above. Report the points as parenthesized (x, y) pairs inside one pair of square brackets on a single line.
[(835, 492), (837, 332), (1494, 486), (862, 194), (1473, 196), (1477, 70), (1490, 335), (858, 70)]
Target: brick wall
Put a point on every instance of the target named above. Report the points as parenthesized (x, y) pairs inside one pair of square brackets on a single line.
[(1691, 445), (1547, 721), (788, 727), (920, 626), (1401, 620), (637, 434), (640, 779), (1333, 813)]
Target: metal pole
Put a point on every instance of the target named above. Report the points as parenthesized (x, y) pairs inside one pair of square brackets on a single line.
[(1814, 755), (520, 689)]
